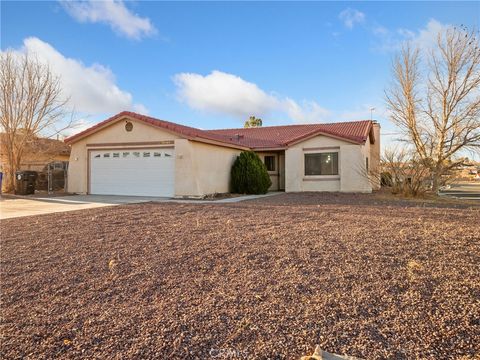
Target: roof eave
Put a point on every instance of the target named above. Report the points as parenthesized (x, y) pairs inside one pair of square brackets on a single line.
[(319, 132), (207, 139), (114, 119), (260, 148), (219, 143)]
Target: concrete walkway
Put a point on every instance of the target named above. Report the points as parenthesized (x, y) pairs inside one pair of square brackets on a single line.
[(224, 201), (19, 206)]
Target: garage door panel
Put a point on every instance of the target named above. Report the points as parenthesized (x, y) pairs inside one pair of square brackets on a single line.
[(142, 172)]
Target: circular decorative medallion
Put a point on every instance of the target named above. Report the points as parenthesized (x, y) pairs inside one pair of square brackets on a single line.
[(128, 126)]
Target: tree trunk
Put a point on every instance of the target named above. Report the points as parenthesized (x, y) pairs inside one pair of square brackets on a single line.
[(13, 166), (436, 179), (9, 180)]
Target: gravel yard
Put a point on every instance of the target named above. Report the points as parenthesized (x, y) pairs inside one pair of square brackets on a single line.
[(268, 278)]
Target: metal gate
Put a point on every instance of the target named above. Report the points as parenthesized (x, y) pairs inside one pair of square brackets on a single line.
[(54, 177)]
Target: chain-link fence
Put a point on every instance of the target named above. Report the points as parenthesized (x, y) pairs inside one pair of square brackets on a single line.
[(54, 177)]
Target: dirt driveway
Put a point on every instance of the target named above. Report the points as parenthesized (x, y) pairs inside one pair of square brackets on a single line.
[(268, 278)]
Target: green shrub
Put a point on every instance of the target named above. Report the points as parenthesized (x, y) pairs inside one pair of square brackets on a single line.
[(249, 175)]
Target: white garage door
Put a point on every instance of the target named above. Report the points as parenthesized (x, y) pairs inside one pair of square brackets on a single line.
[(139, 172)]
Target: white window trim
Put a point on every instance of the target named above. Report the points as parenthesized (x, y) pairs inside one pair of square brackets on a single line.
[(321, 177)]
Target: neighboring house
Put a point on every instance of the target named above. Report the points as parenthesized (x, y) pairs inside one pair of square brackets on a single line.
[(132, 154), (468, 171), (37, 153)]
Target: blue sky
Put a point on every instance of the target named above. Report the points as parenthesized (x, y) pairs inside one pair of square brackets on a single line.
[(210, 65)]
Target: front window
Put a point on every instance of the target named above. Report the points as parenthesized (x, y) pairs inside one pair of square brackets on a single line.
[(321, 164), (270, 162)]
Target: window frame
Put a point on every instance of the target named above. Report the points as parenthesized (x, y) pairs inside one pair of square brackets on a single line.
[(320, 153), (274, 162)]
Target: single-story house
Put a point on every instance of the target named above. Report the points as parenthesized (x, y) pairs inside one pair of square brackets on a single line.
[(37, 153), (133, 154)]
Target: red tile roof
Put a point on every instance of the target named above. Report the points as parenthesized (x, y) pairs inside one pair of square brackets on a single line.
[(283, 136), (267, 137)]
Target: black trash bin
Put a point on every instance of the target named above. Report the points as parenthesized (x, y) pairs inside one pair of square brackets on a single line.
[(25, 182)]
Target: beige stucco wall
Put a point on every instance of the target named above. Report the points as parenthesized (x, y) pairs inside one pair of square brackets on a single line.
[(361, 165), (202, 168), (375, 157), (350, 160), (113, 133), (352, 171), (372, 152)]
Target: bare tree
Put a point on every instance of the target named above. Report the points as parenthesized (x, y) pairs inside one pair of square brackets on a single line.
[(404, 172), (31, 104), (435, 100)]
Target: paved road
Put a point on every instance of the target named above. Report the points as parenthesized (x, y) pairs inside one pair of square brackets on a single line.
[(464, 190)]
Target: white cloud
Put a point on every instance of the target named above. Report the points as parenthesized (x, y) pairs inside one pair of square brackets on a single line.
[(113, 13), (224, 93), (350, 17), (424, 38), (140, 108), (380, 30), (91, 89), (78, 126), (308, 112)]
